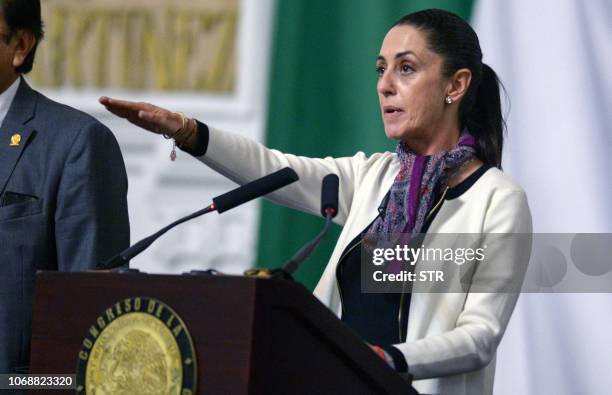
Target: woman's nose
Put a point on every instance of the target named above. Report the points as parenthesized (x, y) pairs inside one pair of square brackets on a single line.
[(386, 84)]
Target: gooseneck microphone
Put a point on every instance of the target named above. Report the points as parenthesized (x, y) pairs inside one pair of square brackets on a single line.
[(329, 195), (222, 203), (255, 189), (329, 209)]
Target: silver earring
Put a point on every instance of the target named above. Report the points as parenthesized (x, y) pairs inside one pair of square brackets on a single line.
[(448, 100)]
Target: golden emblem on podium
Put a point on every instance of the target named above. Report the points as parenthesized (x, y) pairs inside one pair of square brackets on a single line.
[(137, 346)]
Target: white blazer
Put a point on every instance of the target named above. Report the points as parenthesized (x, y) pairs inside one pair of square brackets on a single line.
[(451, 338)]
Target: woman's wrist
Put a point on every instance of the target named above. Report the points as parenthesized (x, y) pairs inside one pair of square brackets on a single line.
[(185, 137), (399, 361), (384, 355)]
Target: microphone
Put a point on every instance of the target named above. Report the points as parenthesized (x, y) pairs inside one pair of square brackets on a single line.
[(329, 195), (255, 189), (329, 209), (222, 203)]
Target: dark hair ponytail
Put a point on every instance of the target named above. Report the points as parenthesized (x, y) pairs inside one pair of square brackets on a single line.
[(484, 118), (480, 110)]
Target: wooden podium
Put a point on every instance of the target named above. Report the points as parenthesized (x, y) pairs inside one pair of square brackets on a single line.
[(251, 336)]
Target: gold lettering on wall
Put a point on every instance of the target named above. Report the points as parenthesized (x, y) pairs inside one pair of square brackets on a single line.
[(138, 45)]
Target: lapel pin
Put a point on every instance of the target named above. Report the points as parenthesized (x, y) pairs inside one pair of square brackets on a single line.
[(15, 140)]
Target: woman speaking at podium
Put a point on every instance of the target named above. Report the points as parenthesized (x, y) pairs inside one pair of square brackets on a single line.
[(442, 104)]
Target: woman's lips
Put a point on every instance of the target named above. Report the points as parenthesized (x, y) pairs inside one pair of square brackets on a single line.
[(392, 113)]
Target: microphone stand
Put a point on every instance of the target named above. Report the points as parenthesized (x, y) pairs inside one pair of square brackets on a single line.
[(295, 262), (329, 209), (124, 257), (292, 265)]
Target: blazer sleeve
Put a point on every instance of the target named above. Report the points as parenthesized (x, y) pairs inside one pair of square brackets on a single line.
[(243, 160), (490, 300), (91, 217)]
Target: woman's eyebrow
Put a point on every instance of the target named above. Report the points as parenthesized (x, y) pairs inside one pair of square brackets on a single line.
[(399, 55), (404, 53)]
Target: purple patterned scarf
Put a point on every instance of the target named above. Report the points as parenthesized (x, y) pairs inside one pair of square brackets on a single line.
[(412, 193)]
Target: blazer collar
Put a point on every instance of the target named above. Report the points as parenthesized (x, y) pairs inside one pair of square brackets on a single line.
[(23, 107), (14, 133)]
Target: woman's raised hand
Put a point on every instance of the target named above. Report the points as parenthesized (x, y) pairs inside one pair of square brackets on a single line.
[(147, 116)]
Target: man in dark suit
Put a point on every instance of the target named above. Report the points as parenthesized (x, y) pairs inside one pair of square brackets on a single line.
[(62, 185)]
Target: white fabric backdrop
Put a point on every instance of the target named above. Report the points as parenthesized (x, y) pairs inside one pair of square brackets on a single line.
[(554, 58)]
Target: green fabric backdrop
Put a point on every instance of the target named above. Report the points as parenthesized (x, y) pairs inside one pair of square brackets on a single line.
[(323, 102)]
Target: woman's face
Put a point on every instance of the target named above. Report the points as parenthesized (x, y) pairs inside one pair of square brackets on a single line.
[(410, 87)]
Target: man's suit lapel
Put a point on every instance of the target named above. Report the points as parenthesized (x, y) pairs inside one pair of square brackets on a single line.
[(15, 133)]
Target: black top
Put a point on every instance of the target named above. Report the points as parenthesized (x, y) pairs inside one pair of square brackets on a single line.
[(375, 316)]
